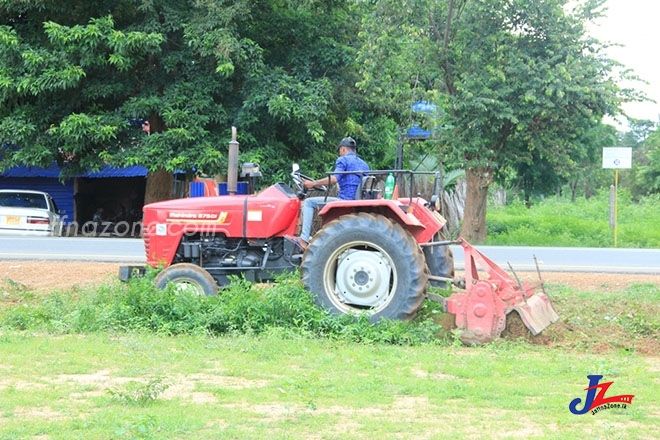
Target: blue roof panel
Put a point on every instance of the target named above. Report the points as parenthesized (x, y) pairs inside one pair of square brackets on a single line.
[(53, 172), (110, 171), (24, 171)]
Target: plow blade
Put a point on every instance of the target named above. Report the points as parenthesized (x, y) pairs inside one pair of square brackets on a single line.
[(536, 312), (480, 311)]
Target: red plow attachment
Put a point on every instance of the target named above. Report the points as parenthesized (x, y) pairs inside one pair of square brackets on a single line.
[(482, 308)]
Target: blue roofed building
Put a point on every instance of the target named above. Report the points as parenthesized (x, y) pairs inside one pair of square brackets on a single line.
[(120, 191)]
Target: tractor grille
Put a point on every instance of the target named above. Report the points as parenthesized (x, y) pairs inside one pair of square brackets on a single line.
[(147, 245)]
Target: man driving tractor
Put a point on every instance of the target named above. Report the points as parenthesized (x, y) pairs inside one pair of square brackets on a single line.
[(348, 160)]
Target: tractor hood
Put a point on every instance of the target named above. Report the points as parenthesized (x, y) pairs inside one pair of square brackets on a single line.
[(272, 212)]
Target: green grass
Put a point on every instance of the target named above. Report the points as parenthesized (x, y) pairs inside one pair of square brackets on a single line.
[(127, 362), (583, 223), (253, 387), (244, 308)]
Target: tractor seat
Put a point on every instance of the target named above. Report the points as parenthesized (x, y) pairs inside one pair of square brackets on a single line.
[(366, 189)]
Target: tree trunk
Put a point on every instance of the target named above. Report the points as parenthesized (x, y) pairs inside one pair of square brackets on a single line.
[(474, 220), (160, 186), (453, 208)]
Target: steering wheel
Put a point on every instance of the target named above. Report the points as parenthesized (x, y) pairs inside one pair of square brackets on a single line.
[(323, 188), (299, 178)]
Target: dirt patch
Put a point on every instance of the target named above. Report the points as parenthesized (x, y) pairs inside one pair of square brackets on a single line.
[(59, 275), (596, 326), (591, 281), (45, 276)]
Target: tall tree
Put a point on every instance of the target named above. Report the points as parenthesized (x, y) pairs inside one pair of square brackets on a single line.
[(78, 78), (645, 176), (579, 168), (519, 81), (81, 77)]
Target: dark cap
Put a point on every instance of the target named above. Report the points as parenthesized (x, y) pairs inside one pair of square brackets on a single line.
[(348, 142)]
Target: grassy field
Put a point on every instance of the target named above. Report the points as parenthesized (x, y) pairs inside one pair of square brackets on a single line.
[(125, 362), (105, 386), (583, 222)]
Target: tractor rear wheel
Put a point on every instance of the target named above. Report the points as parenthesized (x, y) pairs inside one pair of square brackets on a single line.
[(188, 278), (366, 263)]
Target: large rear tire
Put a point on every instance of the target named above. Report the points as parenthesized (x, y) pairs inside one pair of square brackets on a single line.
[(187, 277), (366, 263)]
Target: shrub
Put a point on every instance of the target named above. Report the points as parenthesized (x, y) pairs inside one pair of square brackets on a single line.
[(586, 222), (241, 308)]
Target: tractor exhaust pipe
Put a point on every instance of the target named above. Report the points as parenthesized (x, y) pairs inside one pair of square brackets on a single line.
[(232, 167)]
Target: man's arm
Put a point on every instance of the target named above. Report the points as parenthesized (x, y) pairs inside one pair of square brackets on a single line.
[(312, 183), (339, 166)]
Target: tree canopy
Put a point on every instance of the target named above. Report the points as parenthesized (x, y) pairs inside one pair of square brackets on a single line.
[(519, 86), (78, 78), (520, 83)]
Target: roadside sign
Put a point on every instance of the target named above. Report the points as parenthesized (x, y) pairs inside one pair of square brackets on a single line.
[(617, 157)]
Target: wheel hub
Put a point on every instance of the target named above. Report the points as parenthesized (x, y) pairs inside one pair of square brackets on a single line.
[(188, 286), (363, 278)]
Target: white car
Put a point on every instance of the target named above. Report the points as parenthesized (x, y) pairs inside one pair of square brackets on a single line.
[(27, 212)]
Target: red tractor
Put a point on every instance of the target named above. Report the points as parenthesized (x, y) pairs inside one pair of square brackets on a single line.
[(369, 255)]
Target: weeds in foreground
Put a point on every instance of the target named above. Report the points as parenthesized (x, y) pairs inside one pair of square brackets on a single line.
[(138, 393), (620, 320), (243, 308)]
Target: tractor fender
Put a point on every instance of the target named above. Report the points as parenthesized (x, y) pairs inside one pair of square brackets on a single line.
[(413, 217)]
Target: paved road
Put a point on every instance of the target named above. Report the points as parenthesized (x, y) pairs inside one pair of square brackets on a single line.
[(553, 259), (550, 259), (99, 249)]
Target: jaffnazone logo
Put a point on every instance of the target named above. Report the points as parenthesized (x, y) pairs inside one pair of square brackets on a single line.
[(595, 400)]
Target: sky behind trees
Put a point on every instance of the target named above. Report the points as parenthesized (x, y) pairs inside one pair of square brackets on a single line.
[(633, 24)]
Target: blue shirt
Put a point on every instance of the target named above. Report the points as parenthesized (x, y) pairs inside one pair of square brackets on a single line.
[(348, 183)]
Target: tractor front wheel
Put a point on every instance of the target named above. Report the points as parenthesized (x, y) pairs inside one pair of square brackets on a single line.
[(187, 277), (366, 263)]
